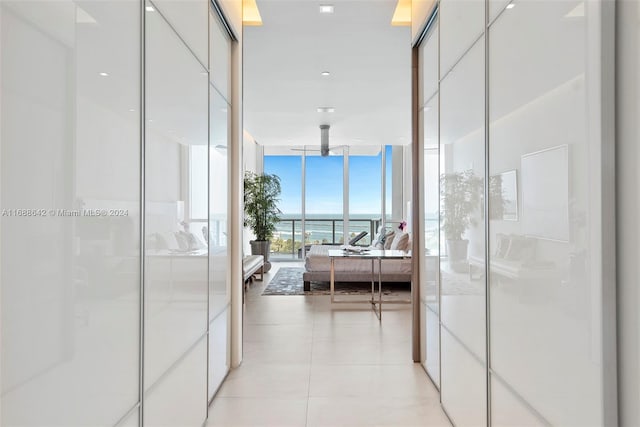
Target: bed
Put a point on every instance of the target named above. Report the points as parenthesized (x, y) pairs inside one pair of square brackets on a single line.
[(318, 268)]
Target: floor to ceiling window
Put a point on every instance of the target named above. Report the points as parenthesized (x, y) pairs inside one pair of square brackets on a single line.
[(516, 314), (324, 201), (365, 198), (343, 194), (287, 165)]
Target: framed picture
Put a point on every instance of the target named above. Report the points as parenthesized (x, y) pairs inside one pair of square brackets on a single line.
[(545, 193), (503, 196)]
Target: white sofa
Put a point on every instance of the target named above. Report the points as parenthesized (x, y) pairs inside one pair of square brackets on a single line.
[(515, 257)]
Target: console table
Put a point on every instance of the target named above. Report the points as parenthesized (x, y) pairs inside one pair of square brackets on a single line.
[(372, 255)]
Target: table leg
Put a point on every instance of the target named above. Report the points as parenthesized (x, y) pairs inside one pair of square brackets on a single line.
[(332, 278), (373, 300), (380, 287), (377, 311)]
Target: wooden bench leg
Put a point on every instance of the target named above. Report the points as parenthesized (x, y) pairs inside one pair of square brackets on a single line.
[(307, 285)]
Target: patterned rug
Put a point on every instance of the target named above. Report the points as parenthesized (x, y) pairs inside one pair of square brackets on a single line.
[(288, 281)]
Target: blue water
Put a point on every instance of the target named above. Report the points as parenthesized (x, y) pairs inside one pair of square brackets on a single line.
[(323, 231)]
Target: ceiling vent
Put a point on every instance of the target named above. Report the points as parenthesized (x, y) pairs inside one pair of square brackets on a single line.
[(324, 140)]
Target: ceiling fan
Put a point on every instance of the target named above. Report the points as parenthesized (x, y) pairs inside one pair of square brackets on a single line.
[(324, 143)]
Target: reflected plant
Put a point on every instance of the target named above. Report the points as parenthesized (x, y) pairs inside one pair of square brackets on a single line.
[(497, 201), (460, 194)]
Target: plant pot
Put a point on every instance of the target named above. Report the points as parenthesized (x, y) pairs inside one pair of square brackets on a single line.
[(457, 255), (262, 247)]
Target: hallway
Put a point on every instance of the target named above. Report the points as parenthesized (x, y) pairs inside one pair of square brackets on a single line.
[(308, 363)]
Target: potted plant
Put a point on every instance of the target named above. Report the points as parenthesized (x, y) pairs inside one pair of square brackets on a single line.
[(261, 197), (460, 194)]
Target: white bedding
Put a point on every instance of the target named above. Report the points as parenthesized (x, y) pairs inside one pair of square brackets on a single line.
[(318, 260)]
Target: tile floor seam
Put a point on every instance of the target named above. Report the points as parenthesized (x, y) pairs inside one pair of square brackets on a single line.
[(324, 363), (313, 329)]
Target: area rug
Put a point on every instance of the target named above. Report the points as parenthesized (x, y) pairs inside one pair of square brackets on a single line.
[(461, 284), (288, 281)]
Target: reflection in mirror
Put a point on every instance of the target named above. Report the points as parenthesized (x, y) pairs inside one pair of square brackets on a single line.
[(70, 148), (176, 251), (546, 268), (463, 244), (503, 196), (219, 283), (545, 193)]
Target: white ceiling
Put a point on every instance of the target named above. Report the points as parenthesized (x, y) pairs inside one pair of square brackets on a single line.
[(369, 85)]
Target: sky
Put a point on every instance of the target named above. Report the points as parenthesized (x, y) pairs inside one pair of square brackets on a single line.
[(324, 183)]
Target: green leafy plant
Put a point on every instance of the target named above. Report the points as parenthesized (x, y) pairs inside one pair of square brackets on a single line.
[(460, 194), (261, 197)]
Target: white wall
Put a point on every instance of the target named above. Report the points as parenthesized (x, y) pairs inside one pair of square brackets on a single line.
[(251, 153), (233, 12), (628, 206)]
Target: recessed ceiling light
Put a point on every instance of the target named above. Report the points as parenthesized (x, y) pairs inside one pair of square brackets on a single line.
[(511, 6), (325, 73), (149, 8), (326, 8), (104, 74), (131, 110), (326, 109)]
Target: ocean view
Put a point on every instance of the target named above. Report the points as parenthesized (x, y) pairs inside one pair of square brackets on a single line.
[(327, 228), (324, 228)]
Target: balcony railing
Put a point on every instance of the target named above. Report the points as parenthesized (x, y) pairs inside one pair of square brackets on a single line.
[(287, 240)]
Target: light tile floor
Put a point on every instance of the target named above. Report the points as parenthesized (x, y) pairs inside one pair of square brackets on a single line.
[(310, 363)]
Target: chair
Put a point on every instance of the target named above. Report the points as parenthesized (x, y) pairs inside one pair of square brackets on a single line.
[(357, 238)]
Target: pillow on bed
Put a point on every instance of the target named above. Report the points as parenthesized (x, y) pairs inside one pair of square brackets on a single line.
[(400, 242), (389, 239), (378, 241), (376, 237)]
